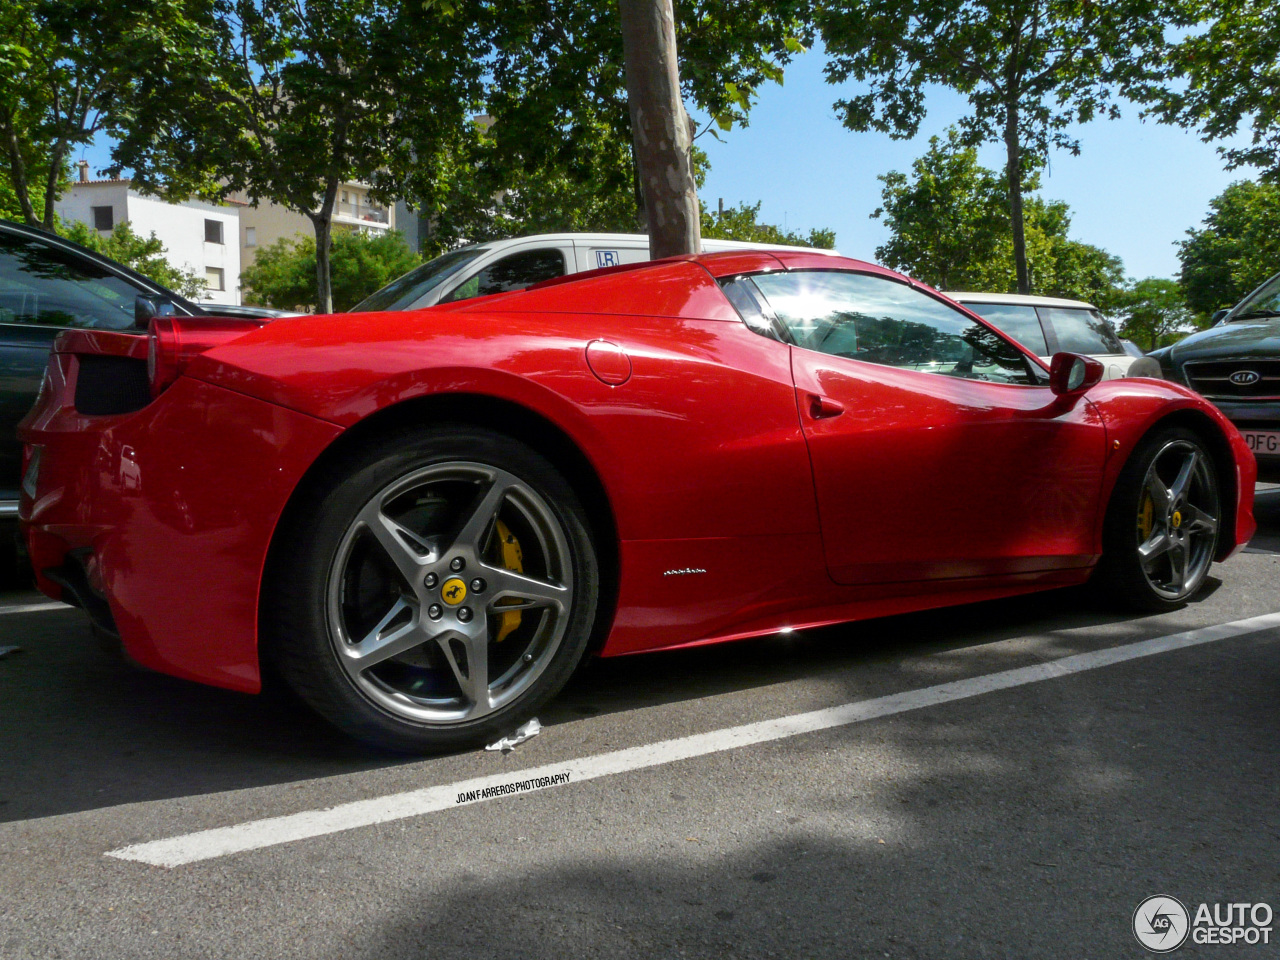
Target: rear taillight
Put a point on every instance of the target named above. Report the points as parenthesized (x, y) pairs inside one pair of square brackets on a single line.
[(173, 342)]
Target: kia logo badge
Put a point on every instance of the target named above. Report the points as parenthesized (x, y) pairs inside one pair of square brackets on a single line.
[(1244, 378)]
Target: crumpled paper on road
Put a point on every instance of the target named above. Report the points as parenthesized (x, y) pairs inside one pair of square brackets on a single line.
[(523, 733)]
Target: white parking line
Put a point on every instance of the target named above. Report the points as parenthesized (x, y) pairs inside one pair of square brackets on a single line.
[(257, 834), (35, 607)]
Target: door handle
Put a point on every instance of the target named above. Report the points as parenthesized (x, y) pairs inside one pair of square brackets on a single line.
[(824, 408)]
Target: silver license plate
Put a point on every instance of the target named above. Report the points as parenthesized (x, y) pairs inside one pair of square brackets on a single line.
[(1262, 442)]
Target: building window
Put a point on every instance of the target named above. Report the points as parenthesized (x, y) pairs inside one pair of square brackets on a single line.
[(213, 231), (104, 218), (250, 236), (344, 196), (215, 278)]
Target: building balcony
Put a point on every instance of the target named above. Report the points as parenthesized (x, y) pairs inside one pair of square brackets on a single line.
[(362, 214)]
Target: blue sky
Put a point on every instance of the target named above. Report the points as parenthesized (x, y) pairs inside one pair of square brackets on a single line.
[(1134, 190)]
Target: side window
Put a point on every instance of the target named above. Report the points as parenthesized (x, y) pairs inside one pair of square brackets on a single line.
[(515, 272), (1082, 331), (49, 287), (878, 320), (1020, 322)]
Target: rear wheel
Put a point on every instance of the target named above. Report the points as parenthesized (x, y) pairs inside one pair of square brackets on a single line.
[(1162, 523), (435, 591)]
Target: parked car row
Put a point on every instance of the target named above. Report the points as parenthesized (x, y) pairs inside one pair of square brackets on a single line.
[(451, 507), (48, 284)]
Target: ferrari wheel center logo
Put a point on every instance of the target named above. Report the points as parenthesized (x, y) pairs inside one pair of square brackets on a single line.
[(454, 591), (1176, 520)]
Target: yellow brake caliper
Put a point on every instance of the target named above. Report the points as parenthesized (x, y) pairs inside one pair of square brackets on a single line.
[(513, 560), (1146, 518)]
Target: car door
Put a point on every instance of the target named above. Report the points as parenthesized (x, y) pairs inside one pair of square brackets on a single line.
[(43, 290), (937, 450)]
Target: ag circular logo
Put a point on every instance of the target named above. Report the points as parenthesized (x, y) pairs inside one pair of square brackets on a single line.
[(1243, 378), (1161, 924)]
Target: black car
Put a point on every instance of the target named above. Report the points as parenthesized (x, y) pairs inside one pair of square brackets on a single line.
[(48, 284), (1236, 365)]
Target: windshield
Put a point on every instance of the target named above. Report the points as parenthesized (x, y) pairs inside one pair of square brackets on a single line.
[(413, 286), (1265, 302), (1082, 330)]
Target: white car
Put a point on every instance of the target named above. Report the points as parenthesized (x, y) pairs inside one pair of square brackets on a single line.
[(1049, 325), (504, 265)]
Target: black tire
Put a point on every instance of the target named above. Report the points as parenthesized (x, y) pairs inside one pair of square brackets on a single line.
[(1138, 571), (330, 574)]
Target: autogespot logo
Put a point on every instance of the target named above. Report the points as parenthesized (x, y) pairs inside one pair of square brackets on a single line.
[(1161, 924)]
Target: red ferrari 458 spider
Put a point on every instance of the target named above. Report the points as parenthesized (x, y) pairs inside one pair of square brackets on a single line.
[(424, 521)]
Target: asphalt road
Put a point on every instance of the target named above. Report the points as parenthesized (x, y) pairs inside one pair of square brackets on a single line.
[(1022, 822)]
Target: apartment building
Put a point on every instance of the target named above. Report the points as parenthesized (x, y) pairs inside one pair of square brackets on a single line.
[(201, 237)]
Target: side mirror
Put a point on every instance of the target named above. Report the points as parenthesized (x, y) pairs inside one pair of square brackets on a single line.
[(146, 308), (1217, 316), (1070, 373)]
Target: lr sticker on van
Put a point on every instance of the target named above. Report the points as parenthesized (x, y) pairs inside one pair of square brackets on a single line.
[(607, 258)]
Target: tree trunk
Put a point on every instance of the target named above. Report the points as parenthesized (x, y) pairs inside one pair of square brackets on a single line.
[(322, 220), (660, 127), (18, 176), (1013, 151), (51, 185)]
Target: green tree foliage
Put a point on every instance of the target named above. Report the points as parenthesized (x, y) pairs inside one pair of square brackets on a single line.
[(1152, 313), (146, 255), (487, 202), (69, 68), (558, 81), (947, 219), (284, 273), (742, 223), (1029, 68), (287, 100), (948, 228), (1227, 68), (1237, 248)]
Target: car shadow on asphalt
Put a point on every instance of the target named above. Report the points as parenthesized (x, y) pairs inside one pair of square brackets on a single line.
[(1266, 510), (628, 683), (81, 729)]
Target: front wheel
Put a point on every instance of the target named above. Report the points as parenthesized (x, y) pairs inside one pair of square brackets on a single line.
[(434, 591), (1161, 530)]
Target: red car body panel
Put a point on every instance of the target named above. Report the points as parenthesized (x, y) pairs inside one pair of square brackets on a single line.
[(738, 511), (178, 531)]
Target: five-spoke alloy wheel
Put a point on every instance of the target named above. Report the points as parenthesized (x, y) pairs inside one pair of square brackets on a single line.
[(447, 589), (1162, 523)]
